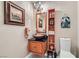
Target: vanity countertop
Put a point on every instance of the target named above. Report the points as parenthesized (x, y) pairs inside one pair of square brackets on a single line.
[(33, 39)]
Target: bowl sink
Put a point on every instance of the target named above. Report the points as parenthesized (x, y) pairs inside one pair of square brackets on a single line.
[(40, 37)]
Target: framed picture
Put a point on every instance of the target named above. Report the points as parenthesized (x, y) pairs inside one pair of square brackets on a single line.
[(65, 22), (13, 14), (41, 22)]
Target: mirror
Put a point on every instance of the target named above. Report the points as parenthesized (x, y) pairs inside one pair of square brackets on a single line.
[(41, 22)]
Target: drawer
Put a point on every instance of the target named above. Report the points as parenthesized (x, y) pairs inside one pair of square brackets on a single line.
[(32, 46), (39, 48), (36, 47)]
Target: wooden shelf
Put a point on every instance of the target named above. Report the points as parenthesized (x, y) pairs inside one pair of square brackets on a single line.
[(51, 28)]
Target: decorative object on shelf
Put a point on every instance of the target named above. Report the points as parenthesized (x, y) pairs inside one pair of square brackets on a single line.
[(51, 47), (26, 30), (51, 39), (51, 21), (13, 14), (65, 22), (52, 53), (49, 54), (41, 22)]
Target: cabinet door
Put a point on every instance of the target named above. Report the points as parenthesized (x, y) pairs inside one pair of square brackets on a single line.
[(32, 46), (37, 47)]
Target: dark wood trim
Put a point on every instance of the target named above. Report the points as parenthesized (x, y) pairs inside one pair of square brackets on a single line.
[(7, 5)]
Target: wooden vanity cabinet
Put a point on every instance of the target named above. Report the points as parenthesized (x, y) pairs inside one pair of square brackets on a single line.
[(37, 47)]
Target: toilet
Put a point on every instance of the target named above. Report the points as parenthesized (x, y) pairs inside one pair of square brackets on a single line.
[(65, 45)]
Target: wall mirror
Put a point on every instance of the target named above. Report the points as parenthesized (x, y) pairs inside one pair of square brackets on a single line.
[(41, 22)]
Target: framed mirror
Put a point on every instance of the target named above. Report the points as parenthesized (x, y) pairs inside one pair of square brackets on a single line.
[(41, 22)]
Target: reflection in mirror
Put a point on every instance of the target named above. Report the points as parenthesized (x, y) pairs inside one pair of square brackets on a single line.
[(41, 22)]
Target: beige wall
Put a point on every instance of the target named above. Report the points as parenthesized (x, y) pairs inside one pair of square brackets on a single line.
[(12, 41), (78, 31)]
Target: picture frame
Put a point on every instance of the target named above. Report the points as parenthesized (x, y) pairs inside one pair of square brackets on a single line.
[(65, 22), (13, 14), (41, 22)]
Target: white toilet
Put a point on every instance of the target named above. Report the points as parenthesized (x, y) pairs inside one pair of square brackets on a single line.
[(65, 45)]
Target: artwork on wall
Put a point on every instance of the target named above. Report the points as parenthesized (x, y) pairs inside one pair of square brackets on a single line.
[(65, 22), (13, 14), (41, 21)]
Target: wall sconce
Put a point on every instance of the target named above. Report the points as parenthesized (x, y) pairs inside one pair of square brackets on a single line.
[(26, 32)]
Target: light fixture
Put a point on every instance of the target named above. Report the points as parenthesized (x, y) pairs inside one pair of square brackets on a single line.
[(37, 5)]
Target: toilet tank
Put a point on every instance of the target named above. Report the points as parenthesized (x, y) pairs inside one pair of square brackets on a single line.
[(65, 44)]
